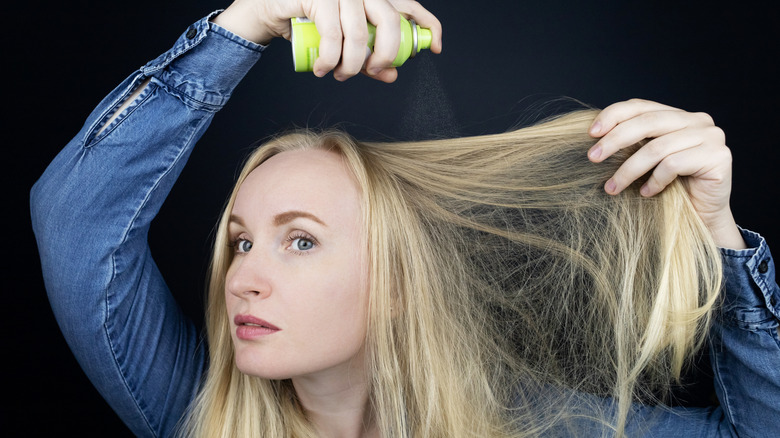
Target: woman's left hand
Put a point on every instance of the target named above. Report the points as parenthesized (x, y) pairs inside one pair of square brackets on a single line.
[(681, 144)]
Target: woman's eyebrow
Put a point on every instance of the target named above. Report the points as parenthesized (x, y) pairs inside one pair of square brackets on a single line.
[(289, 216), (236, 219)]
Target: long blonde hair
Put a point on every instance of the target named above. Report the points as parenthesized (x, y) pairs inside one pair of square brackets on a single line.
[(515, 282)]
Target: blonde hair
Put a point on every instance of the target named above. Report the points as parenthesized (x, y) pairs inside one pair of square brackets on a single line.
[(516, 284)]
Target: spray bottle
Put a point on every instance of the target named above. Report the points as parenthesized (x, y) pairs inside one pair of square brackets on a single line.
[(306, 42)]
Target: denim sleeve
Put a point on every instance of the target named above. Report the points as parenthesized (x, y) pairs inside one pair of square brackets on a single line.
[(745, 347), (745, 356), (91, 212)]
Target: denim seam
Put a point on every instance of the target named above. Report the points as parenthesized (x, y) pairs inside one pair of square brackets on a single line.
[(190, 101), (218, 30), (182, 46), (718, 375), (91, 138), (110, 339), (125, 235)]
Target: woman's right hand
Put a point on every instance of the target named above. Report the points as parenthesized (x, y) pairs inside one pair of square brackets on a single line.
[(342, 26)]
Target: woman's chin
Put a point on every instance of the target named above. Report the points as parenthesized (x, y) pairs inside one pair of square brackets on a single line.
[(261, 367)]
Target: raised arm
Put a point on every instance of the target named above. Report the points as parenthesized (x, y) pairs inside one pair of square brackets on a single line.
[(92, 208), (91, 212)]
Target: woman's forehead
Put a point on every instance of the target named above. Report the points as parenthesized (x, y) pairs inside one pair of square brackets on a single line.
[(314, 181)]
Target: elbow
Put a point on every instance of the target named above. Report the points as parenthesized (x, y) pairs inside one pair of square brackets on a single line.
[(56, 219), (38, 203), (43, 215), (55, 197), (43, 208), (73, 260), (37, 200)]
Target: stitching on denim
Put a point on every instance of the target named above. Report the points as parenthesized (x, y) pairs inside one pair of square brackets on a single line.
[(92, 138), (725, 401), (123, 241), (192, 102), (110, 339)]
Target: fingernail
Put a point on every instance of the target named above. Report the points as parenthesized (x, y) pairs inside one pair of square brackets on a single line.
[(645, 190), (374, 71), (319, 73), (595, 152), (610, 186), (595, 128)]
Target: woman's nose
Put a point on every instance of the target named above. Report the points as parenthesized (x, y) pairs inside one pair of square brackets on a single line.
[(247, 277)]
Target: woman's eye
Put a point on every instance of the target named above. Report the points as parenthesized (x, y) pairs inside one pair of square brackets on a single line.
[(243, 245), (302, 244)]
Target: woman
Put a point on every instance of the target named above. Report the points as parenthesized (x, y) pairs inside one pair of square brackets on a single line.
[(328, 235)]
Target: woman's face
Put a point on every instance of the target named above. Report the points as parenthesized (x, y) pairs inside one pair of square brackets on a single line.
[(296, 291)]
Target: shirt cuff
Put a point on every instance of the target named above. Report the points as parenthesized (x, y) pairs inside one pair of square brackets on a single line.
[(216, 60), (752, 297)]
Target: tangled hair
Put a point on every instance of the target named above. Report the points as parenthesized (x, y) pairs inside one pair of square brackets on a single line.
[(521, 285)]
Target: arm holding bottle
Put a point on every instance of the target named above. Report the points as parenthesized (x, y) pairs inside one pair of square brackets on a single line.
[(93, 206), (91, 212)]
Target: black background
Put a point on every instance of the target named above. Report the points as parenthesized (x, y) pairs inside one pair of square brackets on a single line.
[(504, 63)]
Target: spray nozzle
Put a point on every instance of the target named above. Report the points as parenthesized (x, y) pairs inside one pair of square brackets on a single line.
[(424, 38)]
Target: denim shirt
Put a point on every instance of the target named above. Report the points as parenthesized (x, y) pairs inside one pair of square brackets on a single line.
[(91, 212)]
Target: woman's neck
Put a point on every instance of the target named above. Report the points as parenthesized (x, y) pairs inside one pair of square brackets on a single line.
[(337, 403)]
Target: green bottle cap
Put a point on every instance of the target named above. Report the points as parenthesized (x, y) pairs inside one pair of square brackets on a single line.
[(424, 38)]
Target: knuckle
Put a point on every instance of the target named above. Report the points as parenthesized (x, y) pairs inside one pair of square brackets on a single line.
[(618, 178), (655, 148), (724, 155), (717, 134), (349, 70), (412, 7), (627, 173), (356, 33), (654, 182), (393, 20), (705, 118), (332, 33), (328, 58), (651, 119), (382, 59), (672, 163), (390, 27), (617, 136), (326, 63)]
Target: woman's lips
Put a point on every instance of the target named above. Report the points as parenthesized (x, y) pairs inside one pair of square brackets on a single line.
[(248, 327)]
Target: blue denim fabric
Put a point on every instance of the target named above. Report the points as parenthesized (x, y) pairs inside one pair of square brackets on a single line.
[(745, 346), (91, 213)]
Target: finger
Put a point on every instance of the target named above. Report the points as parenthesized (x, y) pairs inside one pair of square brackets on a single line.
[(388, 75), (667, 170), (694, 162), (619, 112), (355, 33), (423, 17), (326, 18), (388, 36), (645, 125), (657, 150)]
